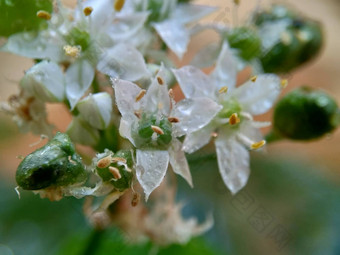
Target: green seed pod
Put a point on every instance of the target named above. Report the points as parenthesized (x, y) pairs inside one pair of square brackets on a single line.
[(246, 41), (144, 126), (56, 163), (305, 114), (20, 16), (300, 42), (117, 172)]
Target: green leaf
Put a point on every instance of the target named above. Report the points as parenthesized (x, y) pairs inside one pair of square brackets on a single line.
[(19, 16)]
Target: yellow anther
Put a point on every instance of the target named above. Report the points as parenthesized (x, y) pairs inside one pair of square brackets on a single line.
[(254, 78), (140, 95), (44, 15), (284, 83), (135, 199), (223, 90), (157, 130), (171, 93), (234, 119), (237, 2), (118, 159), (72, 51), (115, 172), (173, 119), (119, 5), (258, 145), (88, 10), (160, 80), (104, 162), (214, 134), (138, 114)]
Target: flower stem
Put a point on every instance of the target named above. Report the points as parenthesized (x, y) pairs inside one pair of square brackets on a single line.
[(93, 242), (273, 137)]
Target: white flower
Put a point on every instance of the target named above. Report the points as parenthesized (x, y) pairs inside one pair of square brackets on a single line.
[(233, 126), (153, 122), (171, 20), (97, 41)]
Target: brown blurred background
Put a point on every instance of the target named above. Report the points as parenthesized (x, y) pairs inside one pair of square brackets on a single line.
[(323, 72)]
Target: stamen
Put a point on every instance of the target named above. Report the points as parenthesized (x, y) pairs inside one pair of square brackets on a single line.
[(160, 80), (223, 90), (118, 159), (157, 130), (173, 119), (138, 114), (258, 145), (254, 78), (72, 51), (104, 162), (214, 134), (246, 115), (237, 2), (135, 199), (119, 5), (284, 83), (115, 172), (234, 119), (88, 10), (44, 15), (171, 93), (140, 95), (71, 161)]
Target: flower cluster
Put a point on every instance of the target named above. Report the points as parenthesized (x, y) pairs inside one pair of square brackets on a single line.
[(107, 62)]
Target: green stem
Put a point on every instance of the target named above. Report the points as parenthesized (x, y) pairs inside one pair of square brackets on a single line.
[(93, 242)]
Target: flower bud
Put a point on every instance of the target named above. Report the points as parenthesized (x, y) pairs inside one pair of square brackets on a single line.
[(96, 109), (122, 162), (55, 164), (81, 132), (246, 41), (305, 114), (45, 81), (300, 40)]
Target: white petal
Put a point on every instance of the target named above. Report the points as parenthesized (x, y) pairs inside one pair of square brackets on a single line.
[(225, 73), (125, 129), (253, 133), (179, 162), (194, 83), (157, 97), (81, 132), (186, 13), (127, 26), (126, 93), (101, 15), (96, 109), (78, 77), (45, 80), (207, 56), (233, 163), (196, 140), (36, 46), (123, 61), (175, 35), (193, 114), (259, 96), (151, 169)]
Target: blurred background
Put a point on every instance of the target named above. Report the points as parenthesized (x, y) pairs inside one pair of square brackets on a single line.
[(291, 204)]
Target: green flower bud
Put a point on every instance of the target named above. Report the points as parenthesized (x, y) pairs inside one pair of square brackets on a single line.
[(305, 114), (300, 42), (20, 16), (246, 41), (55, 164), (116, 168)]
